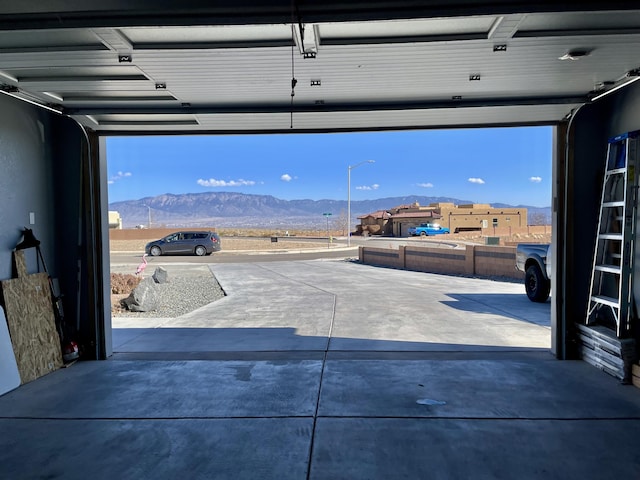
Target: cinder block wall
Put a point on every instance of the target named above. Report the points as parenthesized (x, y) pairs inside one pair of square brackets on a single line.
[(476, 260), (495, 261), (384, 257), (436, 260)]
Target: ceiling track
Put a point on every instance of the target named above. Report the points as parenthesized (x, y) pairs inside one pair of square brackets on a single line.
[(40, 14), (342, 107)]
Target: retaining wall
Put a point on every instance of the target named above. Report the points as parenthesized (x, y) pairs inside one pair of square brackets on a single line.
[(475, 260)]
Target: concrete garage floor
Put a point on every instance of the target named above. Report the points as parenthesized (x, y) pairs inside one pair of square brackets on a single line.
[(329, 370)]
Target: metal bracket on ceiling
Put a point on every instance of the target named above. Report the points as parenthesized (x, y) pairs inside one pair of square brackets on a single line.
[(9, 88), (627, 79), (306, 37)]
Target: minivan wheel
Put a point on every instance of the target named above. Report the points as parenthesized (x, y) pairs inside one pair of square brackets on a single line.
[(155, 251), (200, 250)]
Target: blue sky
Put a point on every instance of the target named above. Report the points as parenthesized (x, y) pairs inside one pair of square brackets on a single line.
[(498, 165)]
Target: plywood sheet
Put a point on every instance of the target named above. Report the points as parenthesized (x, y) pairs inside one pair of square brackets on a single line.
[(9, 376), (636, 375), (31, 321)]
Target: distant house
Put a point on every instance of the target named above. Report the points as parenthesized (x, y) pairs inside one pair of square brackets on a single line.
[(396, 221), (403, 220), (115, 221), (376, 223)]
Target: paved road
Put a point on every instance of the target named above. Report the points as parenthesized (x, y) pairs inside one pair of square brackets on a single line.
[(339, 250), (128, 258)]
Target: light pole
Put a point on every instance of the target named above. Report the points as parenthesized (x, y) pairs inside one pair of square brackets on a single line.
[(327, 215), (149, 218), (351, 167)]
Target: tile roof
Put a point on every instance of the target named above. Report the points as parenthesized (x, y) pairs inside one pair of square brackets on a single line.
[(422, 214), (378, 214)]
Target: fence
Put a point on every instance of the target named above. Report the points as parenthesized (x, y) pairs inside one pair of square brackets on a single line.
[(475, 260)]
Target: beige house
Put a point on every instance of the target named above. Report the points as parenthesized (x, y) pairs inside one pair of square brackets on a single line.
[(478, 216), (115, 221), (457, 218), (402, 220)]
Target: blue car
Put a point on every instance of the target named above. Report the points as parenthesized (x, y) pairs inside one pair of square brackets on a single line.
[(426, 229)]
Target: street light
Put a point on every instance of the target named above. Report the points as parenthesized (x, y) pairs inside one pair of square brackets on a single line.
[(327, 215), (351, 167), (149, 222)]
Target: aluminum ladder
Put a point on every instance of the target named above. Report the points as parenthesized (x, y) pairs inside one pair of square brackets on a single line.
[(611, 292)]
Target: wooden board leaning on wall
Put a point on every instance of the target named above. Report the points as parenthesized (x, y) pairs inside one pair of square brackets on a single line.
[(31, 321)]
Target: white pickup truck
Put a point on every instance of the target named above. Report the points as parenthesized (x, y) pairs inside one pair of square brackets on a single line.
[(534, 259)]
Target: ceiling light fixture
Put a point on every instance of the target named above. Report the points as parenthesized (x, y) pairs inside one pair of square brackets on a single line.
[(316, 82), (630, 77), (500, 48), (474, 77), (576, 54)]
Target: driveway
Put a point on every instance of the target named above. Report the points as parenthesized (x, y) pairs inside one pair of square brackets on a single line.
[(345, 306), (329, 370)]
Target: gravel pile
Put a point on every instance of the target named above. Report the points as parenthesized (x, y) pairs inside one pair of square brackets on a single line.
[(179, 296)]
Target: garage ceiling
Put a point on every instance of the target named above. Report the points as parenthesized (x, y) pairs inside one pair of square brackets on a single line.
[(200, 71)]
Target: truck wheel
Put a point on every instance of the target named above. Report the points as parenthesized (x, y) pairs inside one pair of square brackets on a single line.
[(423, 234), (536, 285)]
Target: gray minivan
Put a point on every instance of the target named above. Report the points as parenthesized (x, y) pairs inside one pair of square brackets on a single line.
[(185, 243)]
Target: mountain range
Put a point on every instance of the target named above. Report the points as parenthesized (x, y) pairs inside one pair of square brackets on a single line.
[(230, 209)]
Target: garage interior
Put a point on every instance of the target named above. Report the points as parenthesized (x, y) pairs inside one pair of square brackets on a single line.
[(72, 73)]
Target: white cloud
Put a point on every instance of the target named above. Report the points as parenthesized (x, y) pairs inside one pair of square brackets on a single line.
[(212, 182), (425, 185), (286, 177), (375, 186), (535, 179), (118, 176), (476, 180)]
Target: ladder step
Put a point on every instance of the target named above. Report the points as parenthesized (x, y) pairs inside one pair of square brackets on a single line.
[(609, 269), (619, 203), (616, 171), (610, 236), (610, 301)]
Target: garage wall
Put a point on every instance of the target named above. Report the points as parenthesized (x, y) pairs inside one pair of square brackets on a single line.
[(41, 159), (592, 127), (25, 184)]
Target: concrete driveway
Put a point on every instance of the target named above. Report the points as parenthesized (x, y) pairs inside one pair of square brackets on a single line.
[(345, 306), (329, 370)]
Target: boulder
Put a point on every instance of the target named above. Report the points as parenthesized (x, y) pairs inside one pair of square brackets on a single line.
[(143, 298), (160, 275)]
